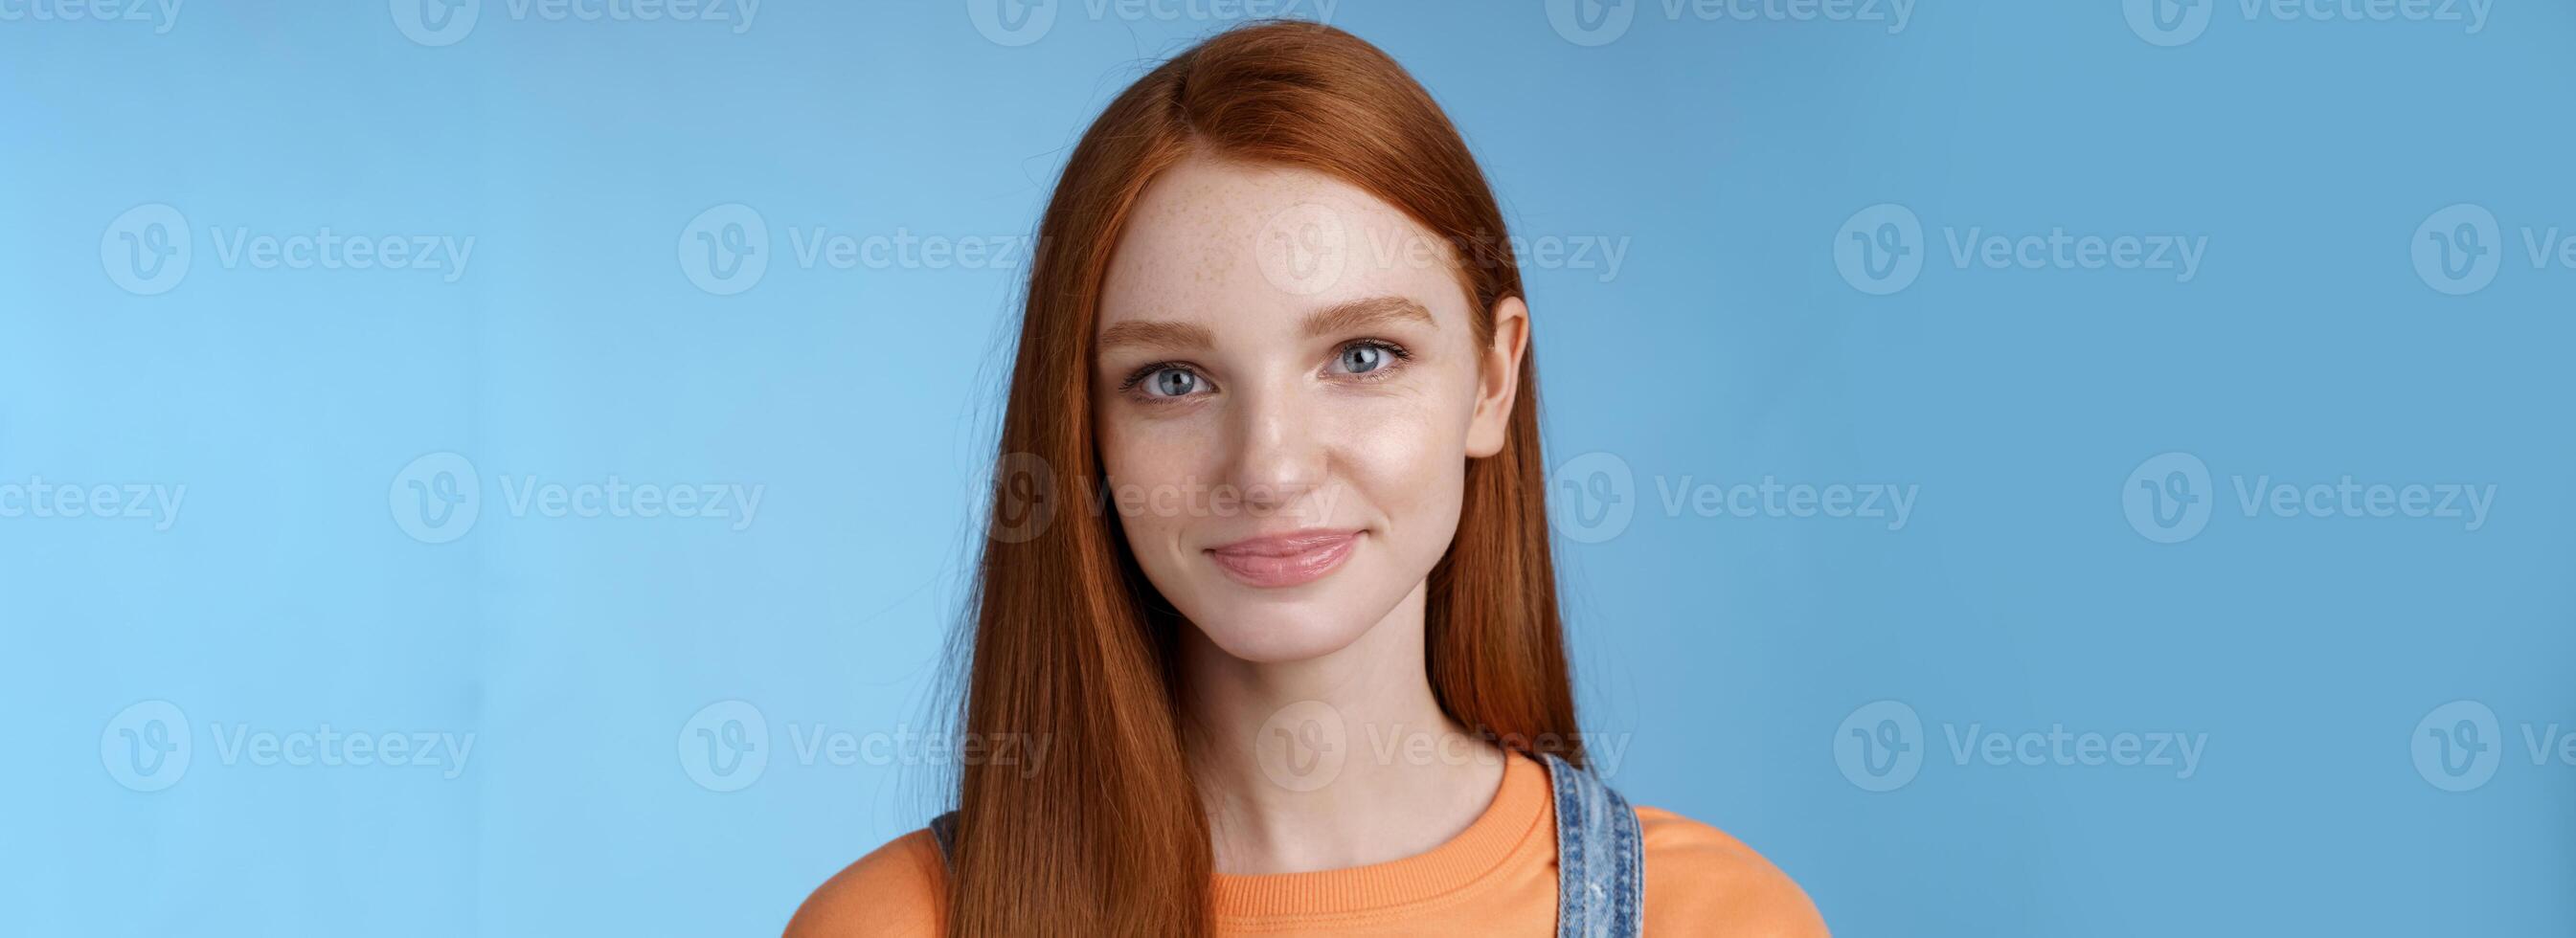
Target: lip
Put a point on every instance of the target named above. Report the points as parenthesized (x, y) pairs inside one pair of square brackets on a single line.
[(1281, 560)]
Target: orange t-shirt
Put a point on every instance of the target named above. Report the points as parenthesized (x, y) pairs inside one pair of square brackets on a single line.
[(1495, 879)]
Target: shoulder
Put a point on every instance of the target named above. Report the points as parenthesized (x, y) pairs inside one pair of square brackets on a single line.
[(1699, 881), (896, 890)]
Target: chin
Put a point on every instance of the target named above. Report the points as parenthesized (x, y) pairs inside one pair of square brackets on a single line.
[(1276, 633)]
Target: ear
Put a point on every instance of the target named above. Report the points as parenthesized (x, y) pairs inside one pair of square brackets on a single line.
[(1498, 383)]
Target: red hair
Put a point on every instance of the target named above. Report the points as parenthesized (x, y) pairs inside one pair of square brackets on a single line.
[(1106, 834)]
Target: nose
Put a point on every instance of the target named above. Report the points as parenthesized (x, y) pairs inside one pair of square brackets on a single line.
[(1279, 458)]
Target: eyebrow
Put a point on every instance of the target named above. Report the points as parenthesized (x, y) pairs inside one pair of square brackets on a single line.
[(1173, 335), (1348, 316), (1357, 315)]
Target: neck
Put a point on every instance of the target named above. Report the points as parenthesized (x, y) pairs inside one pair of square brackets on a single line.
[(1331, 762)]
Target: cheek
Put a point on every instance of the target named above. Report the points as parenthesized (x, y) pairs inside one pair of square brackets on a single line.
[(1406, 458), (1144, 456)]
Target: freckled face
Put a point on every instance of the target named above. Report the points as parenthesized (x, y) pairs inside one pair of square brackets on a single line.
[(1286, 386)]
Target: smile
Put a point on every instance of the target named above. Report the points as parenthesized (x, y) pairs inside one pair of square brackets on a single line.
[(1285, 559)]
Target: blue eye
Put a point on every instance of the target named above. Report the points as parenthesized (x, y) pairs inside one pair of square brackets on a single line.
[(1365, 358), (1172, 382)]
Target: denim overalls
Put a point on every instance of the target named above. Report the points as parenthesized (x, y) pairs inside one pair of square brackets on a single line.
[(1600, 856)]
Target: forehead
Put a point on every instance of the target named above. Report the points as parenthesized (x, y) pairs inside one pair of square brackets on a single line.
[(1224, 244)]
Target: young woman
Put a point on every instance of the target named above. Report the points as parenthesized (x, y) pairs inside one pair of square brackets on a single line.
[(1268, 597)]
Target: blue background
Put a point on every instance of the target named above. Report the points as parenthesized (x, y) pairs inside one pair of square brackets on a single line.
[(288, 593)]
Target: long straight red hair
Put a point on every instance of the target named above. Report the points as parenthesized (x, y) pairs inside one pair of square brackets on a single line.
[(1105, 834)]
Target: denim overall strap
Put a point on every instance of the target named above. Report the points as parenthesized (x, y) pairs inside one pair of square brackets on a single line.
[(944, 830), (1600, 857)]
